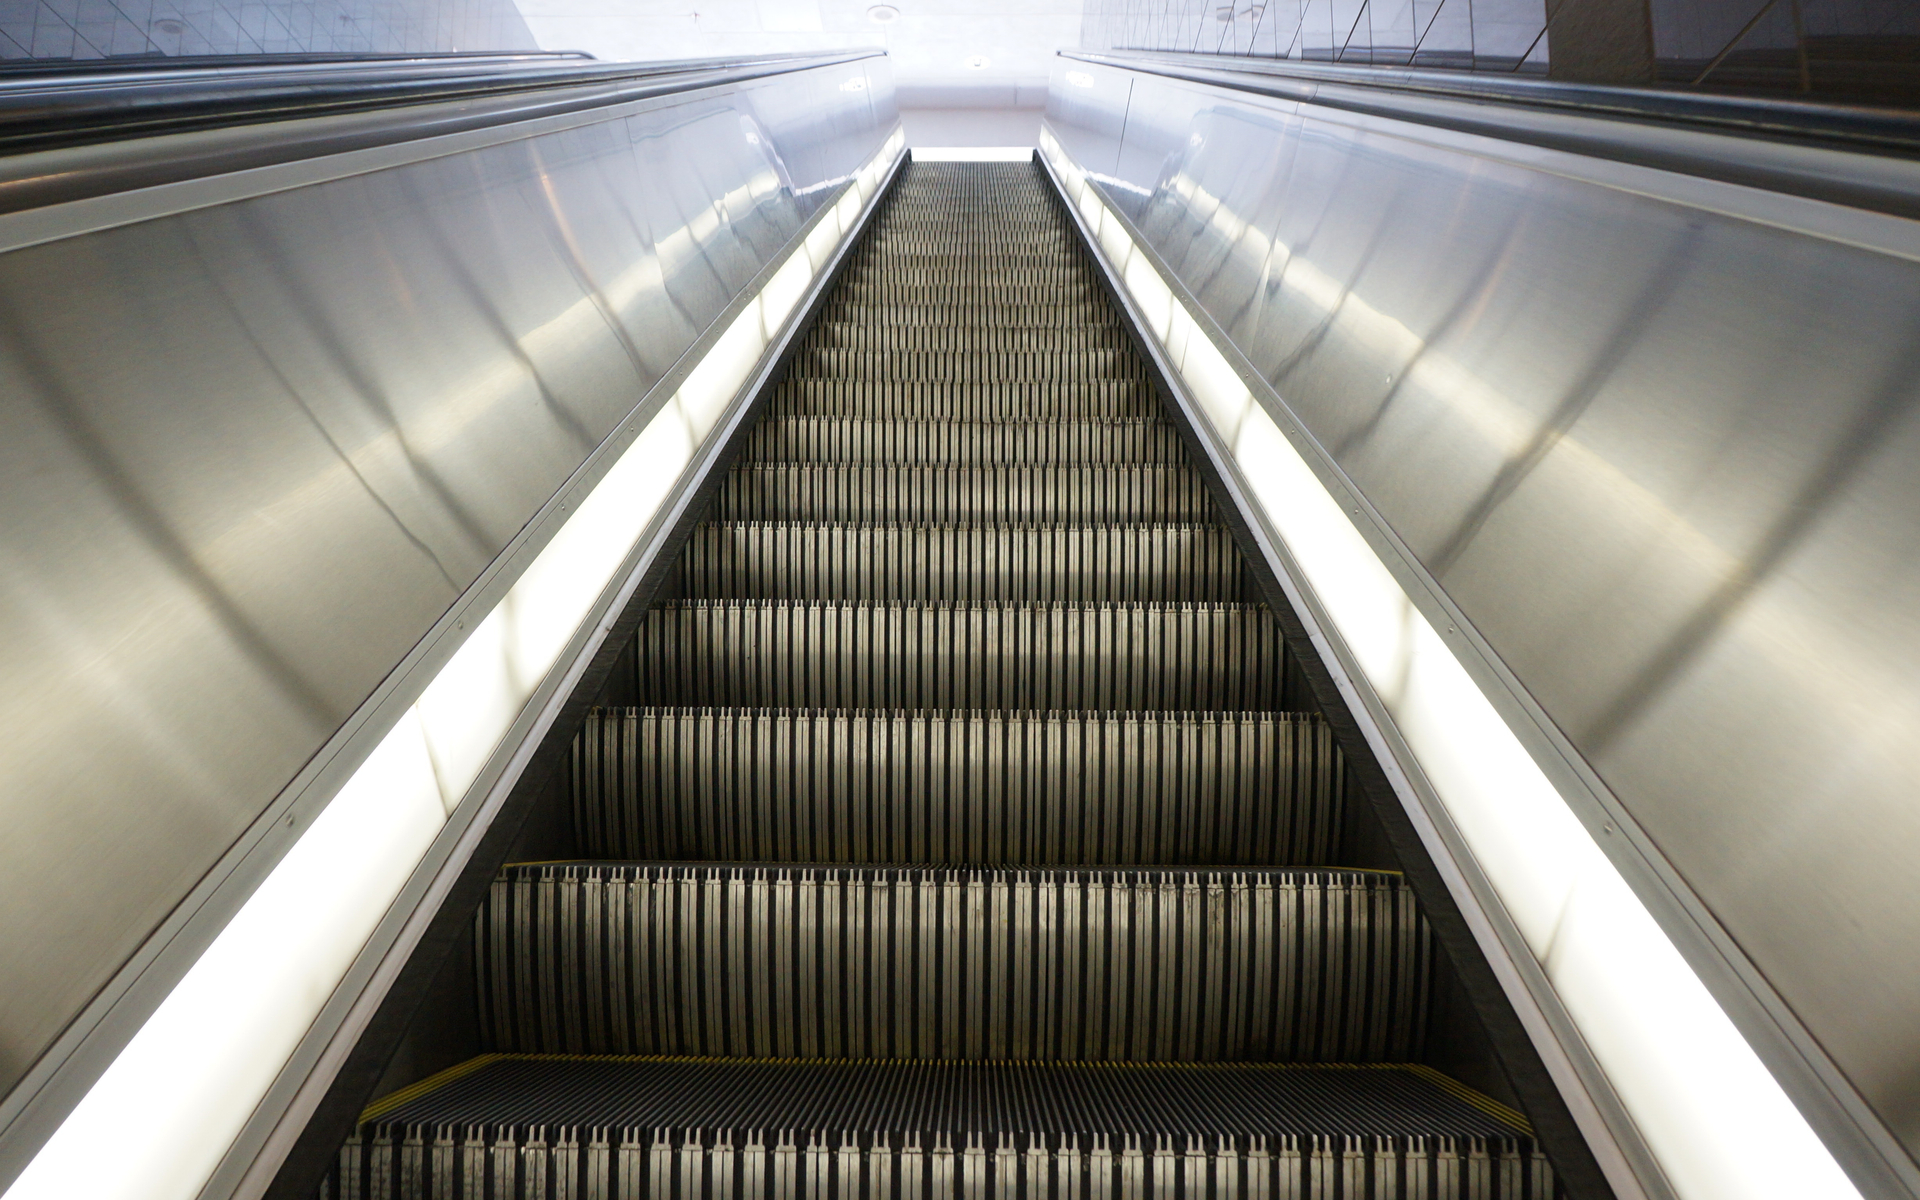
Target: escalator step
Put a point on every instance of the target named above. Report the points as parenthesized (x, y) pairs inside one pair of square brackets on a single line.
[(521, 1128), (890, 260), (824, 654), (1151, 494), (973, 294), (921, 259), (948, 400), (1017, 788), (1049, 248), (1050, 339), (895, 440), (830, 363), (1141, 965), (965, 564), (969, 316)]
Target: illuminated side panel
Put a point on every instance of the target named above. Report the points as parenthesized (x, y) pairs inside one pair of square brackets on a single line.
[(178, 1094), (1717, 1121)]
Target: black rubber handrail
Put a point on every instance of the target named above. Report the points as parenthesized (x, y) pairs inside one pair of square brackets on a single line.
[(1857, 158), (1852, 126), (77, 137), (14, 69), (73, 106)]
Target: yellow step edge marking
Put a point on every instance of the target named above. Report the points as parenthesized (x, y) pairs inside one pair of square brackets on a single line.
[(1480, 1100), (413, 1091), (1444, 1082)]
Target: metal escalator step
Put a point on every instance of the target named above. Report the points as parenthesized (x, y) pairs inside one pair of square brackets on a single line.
[(980, 272), (1003, 294), (973, 339), (1066, 313), (895, 440), (963, 563), (528, 1128), (974, 255), (829, 363), (1018, 788), (1032, 248), (1124, 965), (1015, 230), (1125, 494), (923, 268), (826, 654), (948, 400)]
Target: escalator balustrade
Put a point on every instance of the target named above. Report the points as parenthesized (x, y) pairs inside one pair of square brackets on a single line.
[(962, 843)]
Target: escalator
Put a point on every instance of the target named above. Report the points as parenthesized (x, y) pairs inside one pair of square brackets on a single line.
[(970, 831)]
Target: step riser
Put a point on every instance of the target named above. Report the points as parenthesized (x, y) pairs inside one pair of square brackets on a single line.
[(849, 335), (962, 565), (1037, 400), (1035, 250), (973, 295), (563, 1163), (971, 273), (1106, 495), (964, 366), (856, 440), (1033, 254), (1105, 658), (1087, 314), (876, 787), (975, 965)]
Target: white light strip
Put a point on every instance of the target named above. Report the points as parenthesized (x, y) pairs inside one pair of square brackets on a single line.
[(1714, 1117), (158, 1121)]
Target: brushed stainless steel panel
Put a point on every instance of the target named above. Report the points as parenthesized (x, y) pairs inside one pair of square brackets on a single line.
[(252, 452), (1661, 453)]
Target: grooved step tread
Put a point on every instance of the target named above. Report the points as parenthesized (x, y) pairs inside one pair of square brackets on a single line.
[(1222, 1103), (1061, 314), (1017, 788), (966, 400), (945, 493), (975, 293), (816, 361), (1138, 964), (827, 654), (873, 335), (792, 560), (847, 440)]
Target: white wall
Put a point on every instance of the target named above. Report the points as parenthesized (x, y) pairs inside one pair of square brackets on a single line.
[(930, 42), (971, 126)]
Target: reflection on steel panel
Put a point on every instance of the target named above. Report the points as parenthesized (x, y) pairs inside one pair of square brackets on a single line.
[(1662, 456), (252, 452)]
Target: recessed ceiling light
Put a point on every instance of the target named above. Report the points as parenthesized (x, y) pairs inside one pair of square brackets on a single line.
[(976, 62), (883, 14)]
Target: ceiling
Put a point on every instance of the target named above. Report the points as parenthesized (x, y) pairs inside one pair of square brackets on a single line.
[(931, 41)]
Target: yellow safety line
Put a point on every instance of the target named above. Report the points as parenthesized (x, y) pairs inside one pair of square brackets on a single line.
[(413, 1091), (1444, 1082), (1480, 1100)]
